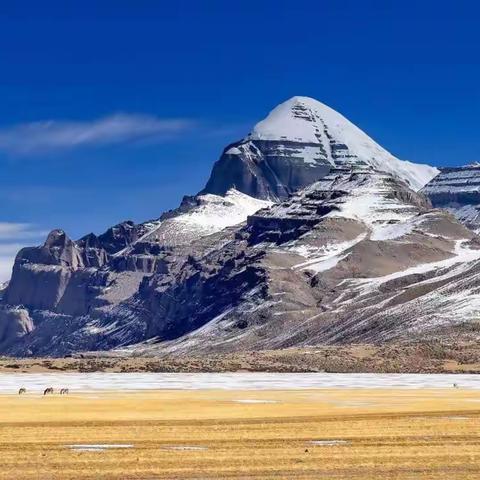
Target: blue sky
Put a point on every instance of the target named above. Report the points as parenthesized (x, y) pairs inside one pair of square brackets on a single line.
[(114, 110)]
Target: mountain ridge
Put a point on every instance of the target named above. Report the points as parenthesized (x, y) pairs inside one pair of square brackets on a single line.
[(347, 242)]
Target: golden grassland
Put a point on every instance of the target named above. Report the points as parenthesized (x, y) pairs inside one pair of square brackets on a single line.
[(387, 433)]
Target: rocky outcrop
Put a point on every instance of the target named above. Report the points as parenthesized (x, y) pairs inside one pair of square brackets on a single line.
[(89, 277), (63, 275), (457, 189), (14, 324), (269, 170)]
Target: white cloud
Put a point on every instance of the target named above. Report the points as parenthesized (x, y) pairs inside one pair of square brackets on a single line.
[(13, 237), (6, 264), (28, 138), (10, 249), (9, 230)]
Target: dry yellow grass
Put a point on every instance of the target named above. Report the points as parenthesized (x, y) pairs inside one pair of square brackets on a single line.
[(388, 434)]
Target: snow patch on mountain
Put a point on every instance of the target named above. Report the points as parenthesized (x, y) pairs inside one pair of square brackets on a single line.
[(233, 151), (461, 256), (395, 231), (326, 257), (369, 199), (210, 214), (215, 212)]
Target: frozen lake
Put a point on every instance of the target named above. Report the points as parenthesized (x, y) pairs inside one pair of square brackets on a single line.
[(85, 382)]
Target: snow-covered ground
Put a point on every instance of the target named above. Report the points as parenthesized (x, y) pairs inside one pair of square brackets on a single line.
[(326, 257), (91, 382)]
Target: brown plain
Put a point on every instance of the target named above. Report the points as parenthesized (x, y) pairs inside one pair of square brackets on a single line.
[(309, 434)]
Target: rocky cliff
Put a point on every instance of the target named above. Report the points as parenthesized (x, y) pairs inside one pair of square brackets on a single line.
[(457, 189)]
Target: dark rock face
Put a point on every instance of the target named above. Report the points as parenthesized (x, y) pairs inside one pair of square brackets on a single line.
[(14, 324), (65, 276), (457, 189), (120, 236), (203, 290), (266, 169)]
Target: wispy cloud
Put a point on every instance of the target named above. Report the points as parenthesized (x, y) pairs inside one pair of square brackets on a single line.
[(8, 251), (28, 138), (14, 236), (10, 230)]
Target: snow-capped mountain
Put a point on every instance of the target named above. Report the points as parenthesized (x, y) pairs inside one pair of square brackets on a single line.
[(297, 144), (457, 189), (348, 252)]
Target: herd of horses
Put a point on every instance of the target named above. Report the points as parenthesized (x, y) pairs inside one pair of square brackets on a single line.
[(65, 391), (47, 391)]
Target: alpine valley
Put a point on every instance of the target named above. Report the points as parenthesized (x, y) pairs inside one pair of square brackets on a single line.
[(307, 234)]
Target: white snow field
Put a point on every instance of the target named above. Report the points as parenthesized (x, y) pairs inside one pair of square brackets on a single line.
[(91, 382)]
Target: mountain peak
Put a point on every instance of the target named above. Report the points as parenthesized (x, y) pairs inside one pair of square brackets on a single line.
[(298, 119), (298, 142)]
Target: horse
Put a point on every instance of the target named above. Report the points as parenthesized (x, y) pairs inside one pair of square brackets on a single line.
[(22, 391), (64, 391), (48, 391)]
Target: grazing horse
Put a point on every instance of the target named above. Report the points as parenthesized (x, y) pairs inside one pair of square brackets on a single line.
[(48, 391), (22, 391), (64, 391)]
